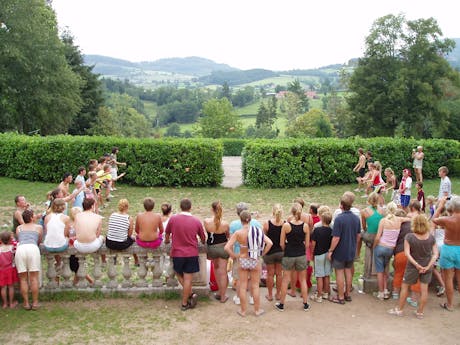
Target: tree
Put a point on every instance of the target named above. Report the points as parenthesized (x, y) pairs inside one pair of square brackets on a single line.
[(297, 89), (173, 130), (219, 120), (396, 87), (90, 89), (266, 114), (38, 89), (313, 124), (226, 91)]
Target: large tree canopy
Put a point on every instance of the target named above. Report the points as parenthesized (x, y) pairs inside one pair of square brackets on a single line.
[(38, 89), (396, 88), (219, 120)]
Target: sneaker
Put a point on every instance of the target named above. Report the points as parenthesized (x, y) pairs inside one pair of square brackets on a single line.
[(316, 298), (193, 300), (395, 311), (236, 300), (395, 295), (441, 291), (185, 307), (325, 295), (251, 300), (306, 306), (379, 295), (386, 294), (279, 306)]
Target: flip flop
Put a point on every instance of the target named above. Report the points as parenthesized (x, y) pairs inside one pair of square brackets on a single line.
[(445, 306), (34, 307), (348, 298), (260, 312), (269, 298), (337, 300), (240, 313), (27, 307), (223, 300), (292, 294)]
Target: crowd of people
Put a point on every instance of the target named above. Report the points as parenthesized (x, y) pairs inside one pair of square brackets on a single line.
[(289, 247)]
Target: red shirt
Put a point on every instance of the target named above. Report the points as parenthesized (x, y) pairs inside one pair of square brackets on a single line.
[(184, 229)]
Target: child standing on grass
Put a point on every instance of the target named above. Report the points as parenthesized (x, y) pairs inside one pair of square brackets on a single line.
[(8, 273), (422, 252), (420, 194), (321, 242)]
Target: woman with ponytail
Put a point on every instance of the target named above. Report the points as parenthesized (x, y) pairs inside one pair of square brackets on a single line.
[(384, 245), (218, 233), (272, 228), (295, 239)]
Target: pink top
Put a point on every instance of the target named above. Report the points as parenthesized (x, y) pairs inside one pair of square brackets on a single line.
[(389, 237), (185, 228), (6, 257)]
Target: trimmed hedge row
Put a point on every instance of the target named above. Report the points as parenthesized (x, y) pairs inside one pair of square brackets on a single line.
[(314, 162), (150, 162), (233, 147), (454, 167)]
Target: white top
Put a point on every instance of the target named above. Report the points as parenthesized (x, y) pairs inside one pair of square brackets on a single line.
[(55, 237), (445, 187)]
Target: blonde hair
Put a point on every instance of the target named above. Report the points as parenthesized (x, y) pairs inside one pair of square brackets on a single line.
[(123, 205), (300, 201), (378, 166), (420, 225), (74, 211), (391, 210), (389, 170), (326, 217), (217, 208), (58, 205), (296, 210), (277, 211), (373, 199), (431, 198), (323, 209)]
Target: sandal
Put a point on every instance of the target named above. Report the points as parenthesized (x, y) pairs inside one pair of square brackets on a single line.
[(446, 307), (395, 311), (269, 298), (240, 313), (418, 315), (337, 300), (348, 298), (260, 312), (223, 300)]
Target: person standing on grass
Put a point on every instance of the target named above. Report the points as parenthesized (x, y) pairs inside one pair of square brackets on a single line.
[(185, 228), (273, 258), (360, 168), (321, 242), (445, 187), (450, 253), (253, 244), (114, 166), (405, 189), (295, 240), (346, 233), (422, 252), (218, 233), (418, 156)]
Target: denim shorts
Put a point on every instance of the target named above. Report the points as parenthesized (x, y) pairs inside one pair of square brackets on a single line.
[(323, 266), (382, 256), (450, 257)]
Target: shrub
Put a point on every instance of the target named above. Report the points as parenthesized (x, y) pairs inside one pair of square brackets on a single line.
[(454, 167), (313, 162), (233, 147), (150, 162)]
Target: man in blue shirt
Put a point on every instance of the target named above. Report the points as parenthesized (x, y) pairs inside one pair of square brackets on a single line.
[(345, 237)]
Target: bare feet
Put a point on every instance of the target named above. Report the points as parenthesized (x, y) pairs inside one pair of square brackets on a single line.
[(269, 298), (13, 304), (4, 306), (292, 294), (240, 313)]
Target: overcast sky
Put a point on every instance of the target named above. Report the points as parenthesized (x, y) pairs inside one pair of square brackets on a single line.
[(277, 35)]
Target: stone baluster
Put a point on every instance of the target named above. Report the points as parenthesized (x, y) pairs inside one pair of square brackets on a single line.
[(171, 280), (127, 273), (97, 270), (66, 272), (111, 271), (81, 273), (51, 272), (142, 271), (156, 271)]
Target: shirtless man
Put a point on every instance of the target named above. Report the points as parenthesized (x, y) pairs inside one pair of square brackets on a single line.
[(149, 227), (88, 228), (450, 253), (64, 185), (21, 206), (360, 168)]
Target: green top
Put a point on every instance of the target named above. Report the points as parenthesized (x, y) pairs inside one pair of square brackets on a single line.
[(373, 221)]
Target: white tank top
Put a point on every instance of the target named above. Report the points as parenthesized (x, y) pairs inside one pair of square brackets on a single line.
[(55, 232)]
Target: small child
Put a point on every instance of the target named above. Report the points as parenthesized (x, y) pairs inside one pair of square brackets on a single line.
[(431, 202), (404, 189), (420, 194), (422, 252), (321, 242), (8, 273), (314, 213)]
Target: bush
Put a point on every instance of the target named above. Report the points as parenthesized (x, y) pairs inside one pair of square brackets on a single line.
[(233, 147), (454, 167), (313, 162), (150, 162)]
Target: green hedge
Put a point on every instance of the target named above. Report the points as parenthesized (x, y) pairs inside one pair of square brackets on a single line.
[(314, 162), (150, 162), (454, 167), (233, 147)]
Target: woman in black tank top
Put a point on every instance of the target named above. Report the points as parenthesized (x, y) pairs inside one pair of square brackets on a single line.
[(295, 238), (272, 259)]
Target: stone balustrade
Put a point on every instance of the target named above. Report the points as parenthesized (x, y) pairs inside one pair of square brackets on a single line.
[(154, 274)]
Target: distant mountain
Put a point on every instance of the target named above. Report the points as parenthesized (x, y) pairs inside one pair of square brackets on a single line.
[(191, 66), (454, 56)]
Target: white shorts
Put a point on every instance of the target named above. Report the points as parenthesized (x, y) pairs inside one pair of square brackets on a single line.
[(114, 173), (91, 247), (27, 258)]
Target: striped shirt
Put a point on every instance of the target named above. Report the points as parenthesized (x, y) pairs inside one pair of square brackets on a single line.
[(118, 227)]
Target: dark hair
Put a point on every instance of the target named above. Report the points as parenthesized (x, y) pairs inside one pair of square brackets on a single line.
[(55, 193), (185, 204), (245, 216), (80, 169), (149, 204), (5, 237), (415, 205), (87, 204), (360, 150), (114, 149), (300, 201), (28, 216), (419, 183), (17, 197), (67, 174), (166, 208), (314, 208)]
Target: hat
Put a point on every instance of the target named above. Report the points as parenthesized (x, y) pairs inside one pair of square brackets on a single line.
[(241, 206)]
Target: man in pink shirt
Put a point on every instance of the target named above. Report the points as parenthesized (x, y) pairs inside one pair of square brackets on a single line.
[(184, 228)]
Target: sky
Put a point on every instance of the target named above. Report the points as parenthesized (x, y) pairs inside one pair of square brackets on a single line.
[(276, 35)]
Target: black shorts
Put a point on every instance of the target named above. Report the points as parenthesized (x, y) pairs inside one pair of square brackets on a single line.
[(186, 265), (114, 245), (362, 172), (340, 265)]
